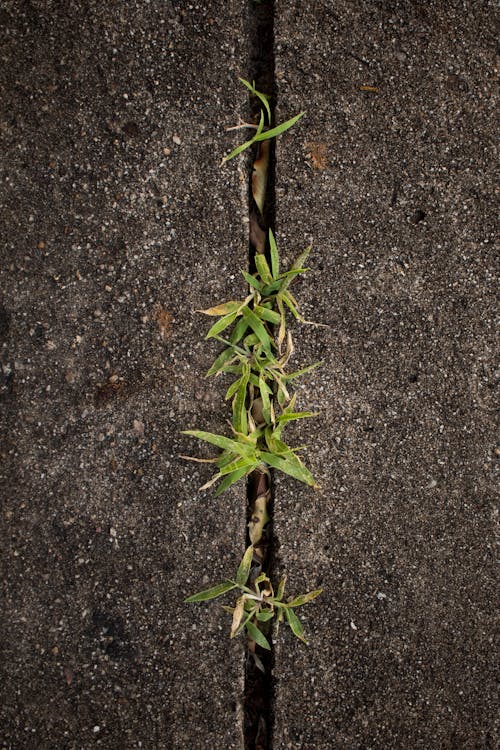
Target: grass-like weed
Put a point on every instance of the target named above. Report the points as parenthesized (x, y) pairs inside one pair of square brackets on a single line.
[(257, 346)]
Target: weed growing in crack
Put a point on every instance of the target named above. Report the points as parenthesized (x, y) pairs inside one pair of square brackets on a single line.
[(262, 134), (257, 348), (257, 603)]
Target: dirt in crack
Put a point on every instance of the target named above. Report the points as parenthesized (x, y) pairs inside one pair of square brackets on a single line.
[(258, 697)]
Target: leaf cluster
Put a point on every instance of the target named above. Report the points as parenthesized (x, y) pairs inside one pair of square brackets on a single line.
[(263, 131), (256, 361), (257, 348), (258, 603)]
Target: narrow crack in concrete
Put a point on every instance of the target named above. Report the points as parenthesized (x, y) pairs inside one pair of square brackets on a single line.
[(258, 696)]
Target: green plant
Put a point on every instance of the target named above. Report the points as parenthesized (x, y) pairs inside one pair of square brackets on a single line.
[(261, 134), (257, 348), (257, 603), (257, 362)]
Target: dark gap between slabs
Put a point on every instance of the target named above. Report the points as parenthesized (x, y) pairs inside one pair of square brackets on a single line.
[(259, 692)]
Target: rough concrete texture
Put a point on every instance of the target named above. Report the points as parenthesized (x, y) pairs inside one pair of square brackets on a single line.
[(394, 187), (117, 223)]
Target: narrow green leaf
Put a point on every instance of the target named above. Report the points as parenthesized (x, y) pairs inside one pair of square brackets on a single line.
[(251, 340), (225, 458), (292, 273), (252, 281), (240, 463), (221, 324), (266, 403), (300, 260), (204, 596), (263, 97), (304, 598), (257, 636), (257, 326), (279, 129), (262, 267), (265, 616), (282, 282), (223, 309), (230, 479), (238, 150), (261, 384), (232, 389), (219, 363), (291, 466), (282, 393), (220, 441), (240, 422), (244, 567), (270, 315), (260, 126), (238, 331), (282, 328), (304, 370), (281, 589), (292, 416), (295, 625), (275, 261), (285, 296)]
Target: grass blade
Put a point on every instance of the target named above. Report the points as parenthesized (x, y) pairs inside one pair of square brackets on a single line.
[(240, 422), (212, 593), (221, 325), (275, 261), (252, 281), (281, 589), (238, 331), (260, 127), (232, 389), (235, 476), (292, 416), (304, 598), (295, 625), (263, 97), (291, 465), (218, 365), (257, 327), (221, 442), (244, 567), (258, 637), (304, 370), (239, 463), (223, 309), (266, 403), (285, 296), (279, 129), (262, 267), (271, 316), (238, 150)]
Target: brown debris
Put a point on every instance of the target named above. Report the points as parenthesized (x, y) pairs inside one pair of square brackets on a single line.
[(317, 154), (163, 319)]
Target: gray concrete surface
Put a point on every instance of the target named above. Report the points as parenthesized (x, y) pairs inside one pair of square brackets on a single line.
[(117, 222), (394, 187)]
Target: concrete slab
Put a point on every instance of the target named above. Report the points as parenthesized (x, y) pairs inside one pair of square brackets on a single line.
[(391, 177), (117, 224)]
